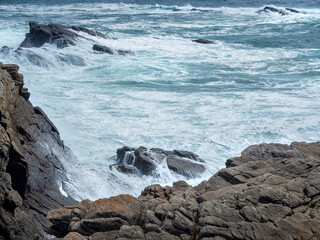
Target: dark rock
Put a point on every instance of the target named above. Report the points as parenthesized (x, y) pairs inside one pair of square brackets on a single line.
[(185, 167), (29, 171), (189, 155), (59, 35), (146, 161), (269, 9), (293, 10), (108, 50), (104, 49), (200, 10), (203, 41)]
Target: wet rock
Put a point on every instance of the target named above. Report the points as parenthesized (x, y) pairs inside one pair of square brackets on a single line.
[(269, 9), (29, 171), (294, 10), (270, 190), (203, 41), (104, 49), (145, 161), (185, 167), (59, 35)]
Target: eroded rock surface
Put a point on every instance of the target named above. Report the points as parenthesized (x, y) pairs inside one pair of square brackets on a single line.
[(30, 171), (272, 191)]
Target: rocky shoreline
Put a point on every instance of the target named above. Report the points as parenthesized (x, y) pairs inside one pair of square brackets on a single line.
[(271, 191)]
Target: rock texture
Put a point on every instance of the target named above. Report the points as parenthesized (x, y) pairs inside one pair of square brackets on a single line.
[(145, 161), (59, 35), (30, 171), (272, 191)]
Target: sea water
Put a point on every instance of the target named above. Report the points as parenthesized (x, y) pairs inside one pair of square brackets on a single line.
[(258, 83)]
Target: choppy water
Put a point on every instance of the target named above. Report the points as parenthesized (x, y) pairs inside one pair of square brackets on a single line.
[(258, 83)]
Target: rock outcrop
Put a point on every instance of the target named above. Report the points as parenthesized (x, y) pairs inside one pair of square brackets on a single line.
[(145, 161), (272, 191), (282, 12), (30, 171), (59, 35)]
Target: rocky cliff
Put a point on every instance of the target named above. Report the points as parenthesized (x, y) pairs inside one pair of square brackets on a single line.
[(30, 171), (272, 191)]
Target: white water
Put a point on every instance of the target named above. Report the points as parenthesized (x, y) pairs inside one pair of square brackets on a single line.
[(214, 100)]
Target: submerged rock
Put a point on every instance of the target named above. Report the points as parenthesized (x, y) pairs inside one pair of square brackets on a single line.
[(145, 161), (71, 59), (59, 35), (203, 41), (30, 171), (270, 192)]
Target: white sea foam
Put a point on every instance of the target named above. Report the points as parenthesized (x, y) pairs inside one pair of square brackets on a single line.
[(214, 100)]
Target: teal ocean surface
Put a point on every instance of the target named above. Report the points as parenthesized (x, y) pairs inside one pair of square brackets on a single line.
[(258, 83)]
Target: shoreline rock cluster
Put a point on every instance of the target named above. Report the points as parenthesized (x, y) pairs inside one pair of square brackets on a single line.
[(30, 171), (272, 191)]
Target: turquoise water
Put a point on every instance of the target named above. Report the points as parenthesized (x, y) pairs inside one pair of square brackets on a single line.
[(258, 83)]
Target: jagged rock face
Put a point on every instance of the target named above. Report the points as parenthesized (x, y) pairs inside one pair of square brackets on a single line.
[(29, 169), (272, 191), (144, 161), (61, 36)]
